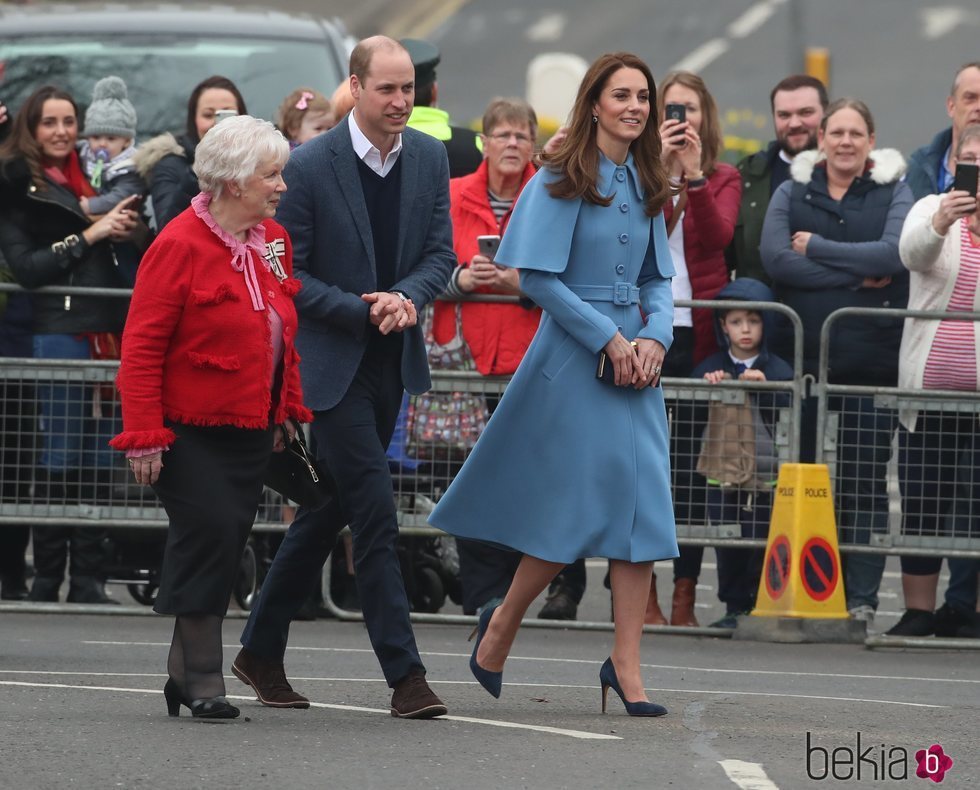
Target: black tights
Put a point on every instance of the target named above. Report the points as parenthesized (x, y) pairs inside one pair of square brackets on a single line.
[(195, 656)]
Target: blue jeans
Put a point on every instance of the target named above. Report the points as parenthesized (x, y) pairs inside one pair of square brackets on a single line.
[(72, 438), (863, 449)]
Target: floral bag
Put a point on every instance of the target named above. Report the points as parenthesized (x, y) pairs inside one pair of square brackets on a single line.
[(446, 424)]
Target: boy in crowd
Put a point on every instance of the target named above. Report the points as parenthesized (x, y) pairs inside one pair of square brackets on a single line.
[(738, 452)]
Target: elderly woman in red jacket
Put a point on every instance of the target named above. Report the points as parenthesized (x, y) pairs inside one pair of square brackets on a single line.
[(209, 382), (700, 225)]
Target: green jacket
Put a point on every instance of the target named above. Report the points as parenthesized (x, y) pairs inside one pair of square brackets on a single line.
[(743, 253)]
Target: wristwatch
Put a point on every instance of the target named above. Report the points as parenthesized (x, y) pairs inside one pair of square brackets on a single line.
[(401, 295)]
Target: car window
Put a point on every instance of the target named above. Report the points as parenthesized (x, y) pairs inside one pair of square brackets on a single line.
[(160, 71)]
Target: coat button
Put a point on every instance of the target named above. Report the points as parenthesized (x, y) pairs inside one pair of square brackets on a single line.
[(272, 294), (807, 197), (624, 207), (620, 269), (752, 204), (842, 222), (748, 184), (620, 176), (623, 238)]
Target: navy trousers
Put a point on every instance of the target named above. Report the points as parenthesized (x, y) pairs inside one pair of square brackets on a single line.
[(351, 439)]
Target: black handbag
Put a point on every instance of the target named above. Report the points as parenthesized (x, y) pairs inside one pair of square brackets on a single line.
[(295, 474)]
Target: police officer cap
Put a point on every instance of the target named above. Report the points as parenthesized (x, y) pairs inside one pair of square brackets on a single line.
[(425, 58)]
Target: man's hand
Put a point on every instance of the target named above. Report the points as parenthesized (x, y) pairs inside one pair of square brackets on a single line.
[(391, 313)]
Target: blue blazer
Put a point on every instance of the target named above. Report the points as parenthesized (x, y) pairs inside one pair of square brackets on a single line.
[(323, 210)]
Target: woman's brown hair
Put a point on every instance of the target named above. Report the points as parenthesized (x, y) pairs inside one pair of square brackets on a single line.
[(848, 104), (22, 142), (710, 134), (577, 158), (217, 81)]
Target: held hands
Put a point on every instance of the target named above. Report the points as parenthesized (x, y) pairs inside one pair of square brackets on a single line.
[(146, 469), (750, 374), (391, 313), (637, 366), (484, 273), (953, 206), (681, 151)]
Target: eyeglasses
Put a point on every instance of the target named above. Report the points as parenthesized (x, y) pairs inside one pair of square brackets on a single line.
[(504, 137)]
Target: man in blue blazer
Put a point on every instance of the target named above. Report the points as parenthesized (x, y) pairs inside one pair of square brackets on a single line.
[(367, 209)]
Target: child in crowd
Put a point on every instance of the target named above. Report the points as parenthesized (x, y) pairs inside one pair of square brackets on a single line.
[(738, 453), (304, 114), (106, 150)]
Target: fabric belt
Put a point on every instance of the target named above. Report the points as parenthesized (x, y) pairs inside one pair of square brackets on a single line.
[(620, 293)]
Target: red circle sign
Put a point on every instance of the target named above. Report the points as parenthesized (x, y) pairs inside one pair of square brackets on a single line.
[(819, 569), (777, 567)]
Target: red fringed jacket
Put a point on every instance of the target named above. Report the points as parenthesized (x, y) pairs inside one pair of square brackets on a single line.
[(194, 350)]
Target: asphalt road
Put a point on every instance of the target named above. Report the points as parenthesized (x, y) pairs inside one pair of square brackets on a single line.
[(81, 706)]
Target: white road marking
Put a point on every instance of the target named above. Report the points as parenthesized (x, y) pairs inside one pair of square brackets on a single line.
[(940, 20), (549, 27), (748, 776), (753, 18), (514, 725), (537, 685), (699, 58), (588, 661)]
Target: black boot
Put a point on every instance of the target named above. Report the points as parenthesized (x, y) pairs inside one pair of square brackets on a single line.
[(87, 589), (45, 589)]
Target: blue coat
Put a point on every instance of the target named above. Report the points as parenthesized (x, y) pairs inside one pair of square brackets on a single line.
[(570, 466), (323, 210)]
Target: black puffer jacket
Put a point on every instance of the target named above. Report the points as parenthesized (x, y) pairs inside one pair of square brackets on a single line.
[(31, 220), (166, 163)]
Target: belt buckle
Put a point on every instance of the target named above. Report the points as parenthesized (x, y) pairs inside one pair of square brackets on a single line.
[(621, 293)]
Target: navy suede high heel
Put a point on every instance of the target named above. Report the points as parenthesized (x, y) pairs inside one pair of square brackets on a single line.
[(213, 708), (491, 681), (608, 679)]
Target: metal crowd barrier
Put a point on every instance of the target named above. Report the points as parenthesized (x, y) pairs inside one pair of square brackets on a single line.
[(858, 437), (100, 491)]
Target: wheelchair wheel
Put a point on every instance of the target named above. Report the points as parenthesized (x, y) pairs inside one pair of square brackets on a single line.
[(430, 594), (247, 583), (145, 594)]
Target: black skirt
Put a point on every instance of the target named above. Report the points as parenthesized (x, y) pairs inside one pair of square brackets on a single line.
[(210, 486)]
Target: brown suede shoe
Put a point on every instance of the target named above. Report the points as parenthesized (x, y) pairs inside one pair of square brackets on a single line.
[(268, 679), (413, 699)]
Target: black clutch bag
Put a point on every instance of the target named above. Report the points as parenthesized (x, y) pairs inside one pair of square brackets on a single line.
[(295, 474), (606, 370)]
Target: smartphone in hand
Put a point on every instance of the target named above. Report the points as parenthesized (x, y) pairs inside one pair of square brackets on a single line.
[(965, 178), (676, 111), (488, 245)]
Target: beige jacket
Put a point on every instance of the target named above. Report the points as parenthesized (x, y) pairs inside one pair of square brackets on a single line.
[(934, 263)]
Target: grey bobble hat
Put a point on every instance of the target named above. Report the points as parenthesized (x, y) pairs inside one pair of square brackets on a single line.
[(110, 112)]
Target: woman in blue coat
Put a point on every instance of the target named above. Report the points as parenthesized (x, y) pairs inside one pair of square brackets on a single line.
[(583, 462)]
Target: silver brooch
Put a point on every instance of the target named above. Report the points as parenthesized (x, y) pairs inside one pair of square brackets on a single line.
[(274, 250)]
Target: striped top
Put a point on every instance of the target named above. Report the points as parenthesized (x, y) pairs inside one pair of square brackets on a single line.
[(952, 361), (499, 206)]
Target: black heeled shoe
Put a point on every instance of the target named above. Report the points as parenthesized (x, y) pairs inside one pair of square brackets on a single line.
[(608, 679), (211, 708), (491, 681)]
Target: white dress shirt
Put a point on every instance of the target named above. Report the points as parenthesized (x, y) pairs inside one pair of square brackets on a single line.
[(368, 153)]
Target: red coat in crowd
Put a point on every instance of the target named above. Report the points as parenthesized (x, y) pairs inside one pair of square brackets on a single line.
[(194, 350), (497, 334), (709, 225)]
